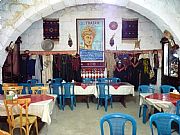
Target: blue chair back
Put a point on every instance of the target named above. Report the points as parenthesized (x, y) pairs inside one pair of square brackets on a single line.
[(56, 88), (56, 80), (166, 88), (114, 80), (103, 80), (68, 89), (163, 122), (39, 84), (146, 89), (102, 89), (178, 108), (1, 91), (116, 122), (32, 81), (26, 88), (87, 80)]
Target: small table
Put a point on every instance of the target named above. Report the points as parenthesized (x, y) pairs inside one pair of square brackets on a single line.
[(162, 102), (84, 89), (42, 107)]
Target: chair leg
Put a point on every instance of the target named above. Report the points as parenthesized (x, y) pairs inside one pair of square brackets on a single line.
[(72, 103), (111, 102), (60, 102), (36, 125), (106, 103), (10, 129), (27, 130), (21, 131), (144, 113), (63, 103), (98, 103), (140, 111)]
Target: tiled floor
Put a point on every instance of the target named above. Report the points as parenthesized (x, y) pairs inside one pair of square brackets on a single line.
[(84, 121)]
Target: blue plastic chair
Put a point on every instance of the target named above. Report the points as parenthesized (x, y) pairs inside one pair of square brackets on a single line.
[(1, 91), (103, 80), (39, 84), (103, 94), (87, 80), (26, 88), (166, 88), (32, 81), (116, 122), (68, 93), (178, 108), (56, 80), (144, 89), (56, 88), (114, 80), (163, 122)]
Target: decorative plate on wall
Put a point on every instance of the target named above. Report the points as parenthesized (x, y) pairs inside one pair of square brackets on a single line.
[(47, 44), (113, 25)]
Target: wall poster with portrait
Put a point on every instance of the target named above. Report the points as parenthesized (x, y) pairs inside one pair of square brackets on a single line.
[(90, 39)]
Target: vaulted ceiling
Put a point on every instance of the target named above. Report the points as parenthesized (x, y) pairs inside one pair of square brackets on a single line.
[(18, 15)]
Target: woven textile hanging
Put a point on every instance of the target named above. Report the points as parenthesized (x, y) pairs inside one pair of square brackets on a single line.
[(51, 29), (129, 29)]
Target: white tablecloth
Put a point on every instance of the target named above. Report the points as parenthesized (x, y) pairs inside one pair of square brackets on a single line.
[(158, 104), (125, 89), (42, 109), (89, 90)]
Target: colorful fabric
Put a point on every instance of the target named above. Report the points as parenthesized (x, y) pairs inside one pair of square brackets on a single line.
[(51, 29), (129, 29)]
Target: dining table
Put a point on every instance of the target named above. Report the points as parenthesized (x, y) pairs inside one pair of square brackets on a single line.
[(162, 102), (116, 89), (41, 105)]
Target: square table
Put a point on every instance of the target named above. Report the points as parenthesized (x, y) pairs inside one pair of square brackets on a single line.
[(162, 102), (42, 107)]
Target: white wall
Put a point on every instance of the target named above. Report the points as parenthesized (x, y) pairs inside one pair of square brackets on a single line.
[(149, 34)]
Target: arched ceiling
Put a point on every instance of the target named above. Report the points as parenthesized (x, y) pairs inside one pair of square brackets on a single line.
[(19, 15)]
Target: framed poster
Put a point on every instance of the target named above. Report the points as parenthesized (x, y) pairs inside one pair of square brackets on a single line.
[(90, 39)]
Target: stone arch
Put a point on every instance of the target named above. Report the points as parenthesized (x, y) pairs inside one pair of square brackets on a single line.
[(36, 12)]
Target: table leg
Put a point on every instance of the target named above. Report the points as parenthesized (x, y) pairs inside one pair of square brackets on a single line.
[(122, 100), (87, 100)]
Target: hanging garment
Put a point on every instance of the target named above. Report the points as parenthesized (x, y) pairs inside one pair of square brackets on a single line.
[(56, 66), (119, 71), (31, 66), (76, 66), (66, 68), (38, 69), (144, 67), (15, 60), (47, 68), (155, 67), (24, 58), (135, 72), (110, 63)]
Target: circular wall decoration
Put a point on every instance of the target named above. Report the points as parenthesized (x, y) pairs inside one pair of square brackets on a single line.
[(113, 25)]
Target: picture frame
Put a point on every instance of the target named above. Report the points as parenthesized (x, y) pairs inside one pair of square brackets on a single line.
[(91, 39)]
